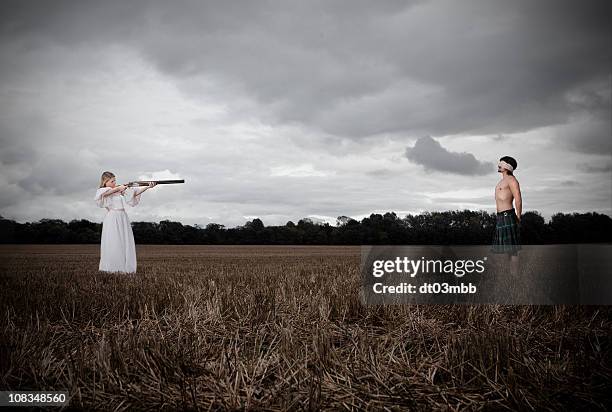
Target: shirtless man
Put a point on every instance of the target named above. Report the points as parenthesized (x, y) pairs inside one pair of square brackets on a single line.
[(508, 189), (507, 238)]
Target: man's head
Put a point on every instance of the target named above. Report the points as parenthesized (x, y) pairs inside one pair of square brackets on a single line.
[(506, 163)]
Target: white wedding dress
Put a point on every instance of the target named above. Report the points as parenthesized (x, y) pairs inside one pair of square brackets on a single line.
[(117, 248)]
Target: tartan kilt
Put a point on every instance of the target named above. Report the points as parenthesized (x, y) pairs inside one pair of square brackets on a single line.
[(507, 237)]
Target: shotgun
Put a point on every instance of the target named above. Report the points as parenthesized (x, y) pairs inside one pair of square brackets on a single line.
[(159, 182)]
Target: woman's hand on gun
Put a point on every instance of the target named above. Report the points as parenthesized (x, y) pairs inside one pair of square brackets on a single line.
[(150, 185)]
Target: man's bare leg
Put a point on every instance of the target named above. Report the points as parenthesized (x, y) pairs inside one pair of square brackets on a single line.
[(514, 265)]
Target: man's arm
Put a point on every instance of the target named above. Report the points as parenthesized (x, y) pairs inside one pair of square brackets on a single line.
[(515, 188)]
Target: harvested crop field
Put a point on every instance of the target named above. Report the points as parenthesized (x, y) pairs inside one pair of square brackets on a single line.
[(279, 328)]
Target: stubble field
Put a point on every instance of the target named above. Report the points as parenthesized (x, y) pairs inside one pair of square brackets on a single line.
[(279, 328)]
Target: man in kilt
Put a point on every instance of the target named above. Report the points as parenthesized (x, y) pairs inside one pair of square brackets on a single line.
[(507, 236)]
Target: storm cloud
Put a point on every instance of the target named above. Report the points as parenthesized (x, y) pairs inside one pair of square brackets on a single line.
[(430, 153), (358, 68)]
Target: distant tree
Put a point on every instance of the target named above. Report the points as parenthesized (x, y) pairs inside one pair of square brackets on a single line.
[(84, 231), (305, 222), (343, 220), (214, 227), (255, 224), (146, 232), (171, 232), (533, 228), (51, 231), (390, 216), (448, 227), (580, 228), (8, 230)]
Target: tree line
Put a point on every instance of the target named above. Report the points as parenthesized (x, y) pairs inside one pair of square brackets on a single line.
[(431, 228)]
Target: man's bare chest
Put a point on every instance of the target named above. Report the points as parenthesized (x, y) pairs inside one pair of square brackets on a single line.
[(502, 188)]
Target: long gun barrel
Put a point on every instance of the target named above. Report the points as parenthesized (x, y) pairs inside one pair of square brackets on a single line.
[(159, 182)]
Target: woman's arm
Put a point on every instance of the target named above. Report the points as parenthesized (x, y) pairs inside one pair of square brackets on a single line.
[(145, 188), (114, 190), (133, 197)]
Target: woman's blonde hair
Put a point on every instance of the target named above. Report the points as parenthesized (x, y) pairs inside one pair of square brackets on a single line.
[(106, 176)]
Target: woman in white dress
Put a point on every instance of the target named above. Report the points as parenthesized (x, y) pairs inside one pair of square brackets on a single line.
[(117, 248)]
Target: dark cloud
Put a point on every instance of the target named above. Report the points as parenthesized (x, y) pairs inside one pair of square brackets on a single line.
[(590, 168), (430, 153), (360, 68), (568, 183), (592, 137)]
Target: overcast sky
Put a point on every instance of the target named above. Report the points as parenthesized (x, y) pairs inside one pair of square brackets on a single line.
[(291, 109)]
